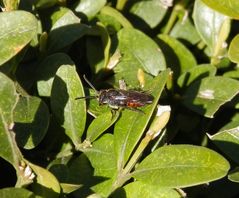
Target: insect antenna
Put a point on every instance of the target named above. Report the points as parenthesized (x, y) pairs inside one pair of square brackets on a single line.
[(88, 97), (89, 83)]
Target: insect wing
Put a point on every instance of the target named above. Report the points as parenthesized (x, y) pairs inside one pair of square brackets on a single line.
[(136, 98), (120, 97)]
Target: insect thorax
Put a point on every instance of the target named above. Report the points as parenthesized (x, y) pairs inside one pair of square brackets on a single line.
[(108, 96)]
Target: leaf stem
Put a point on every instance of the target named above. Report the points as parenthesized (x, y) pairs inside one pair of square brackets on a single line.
[(158, 123), (120, 4), (201, 45), (133, 160), (172, 19)]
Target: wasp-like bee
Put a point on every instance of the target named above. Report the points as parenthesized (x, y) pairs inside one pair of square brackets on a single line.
[(115, 98)]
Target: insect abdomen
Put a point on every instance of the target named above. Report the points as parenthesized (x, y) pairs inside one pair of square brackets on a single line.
[(134, 104)]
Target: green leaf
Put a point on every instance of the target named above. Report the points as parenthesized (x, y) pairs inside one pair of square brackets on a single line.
[(17, 29), (229, 8), (234, 49), (95, 54), (106, 41), (109, 22), (90, 7), (227, 140), (47, 71), (140, 189), (232, 74), (57, 14), (8, 102), (71, 113), (75, 174), (185, 30), (138, 51), (102, 156), (46, 184), (69, 188), (66, 30), (234, 175), (212, 26), (196, 73), (131, 125), (100, 124), (206, 96), (111, 12), (179, 166), (177, 55), (104, 188), (41, 4), (151, 12), (81, 172), (11, 192), (31, 117)]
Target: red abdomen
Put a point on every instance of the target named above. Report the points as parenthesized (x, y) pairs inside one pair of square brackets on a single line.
[(134, 104)]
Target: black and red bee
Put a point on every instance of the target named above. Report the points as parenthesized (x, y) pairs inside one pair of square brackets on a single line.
[(115, 98)]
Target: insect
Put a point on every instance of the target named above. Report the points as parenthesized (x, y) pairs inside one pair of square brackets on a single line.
[(115, 98)]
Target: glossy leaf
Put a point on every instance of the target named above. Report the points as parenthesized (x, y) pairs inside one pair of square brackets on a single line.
[(111, 12), (177, 55), (104, 188), (106, 41), (109, 22), (177, 166), (206, 96), (47, 71), (17, 29), (234, 50), (58, 13), (138, 52), (69, 188), (75, 174), (100, 124), (41, 4), (9, 98), (196, 73), (131, 125), (151, 12), (102, 157), (227, 140), (11, 192), (95, 54), (140, 189), (8, 102), (184, 29), (71, 113), (31, 117), (80, 172), (46, 184), (234, 175), (66, 30), (229, 8), (212, 26), (90, 7), (232, 74)]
